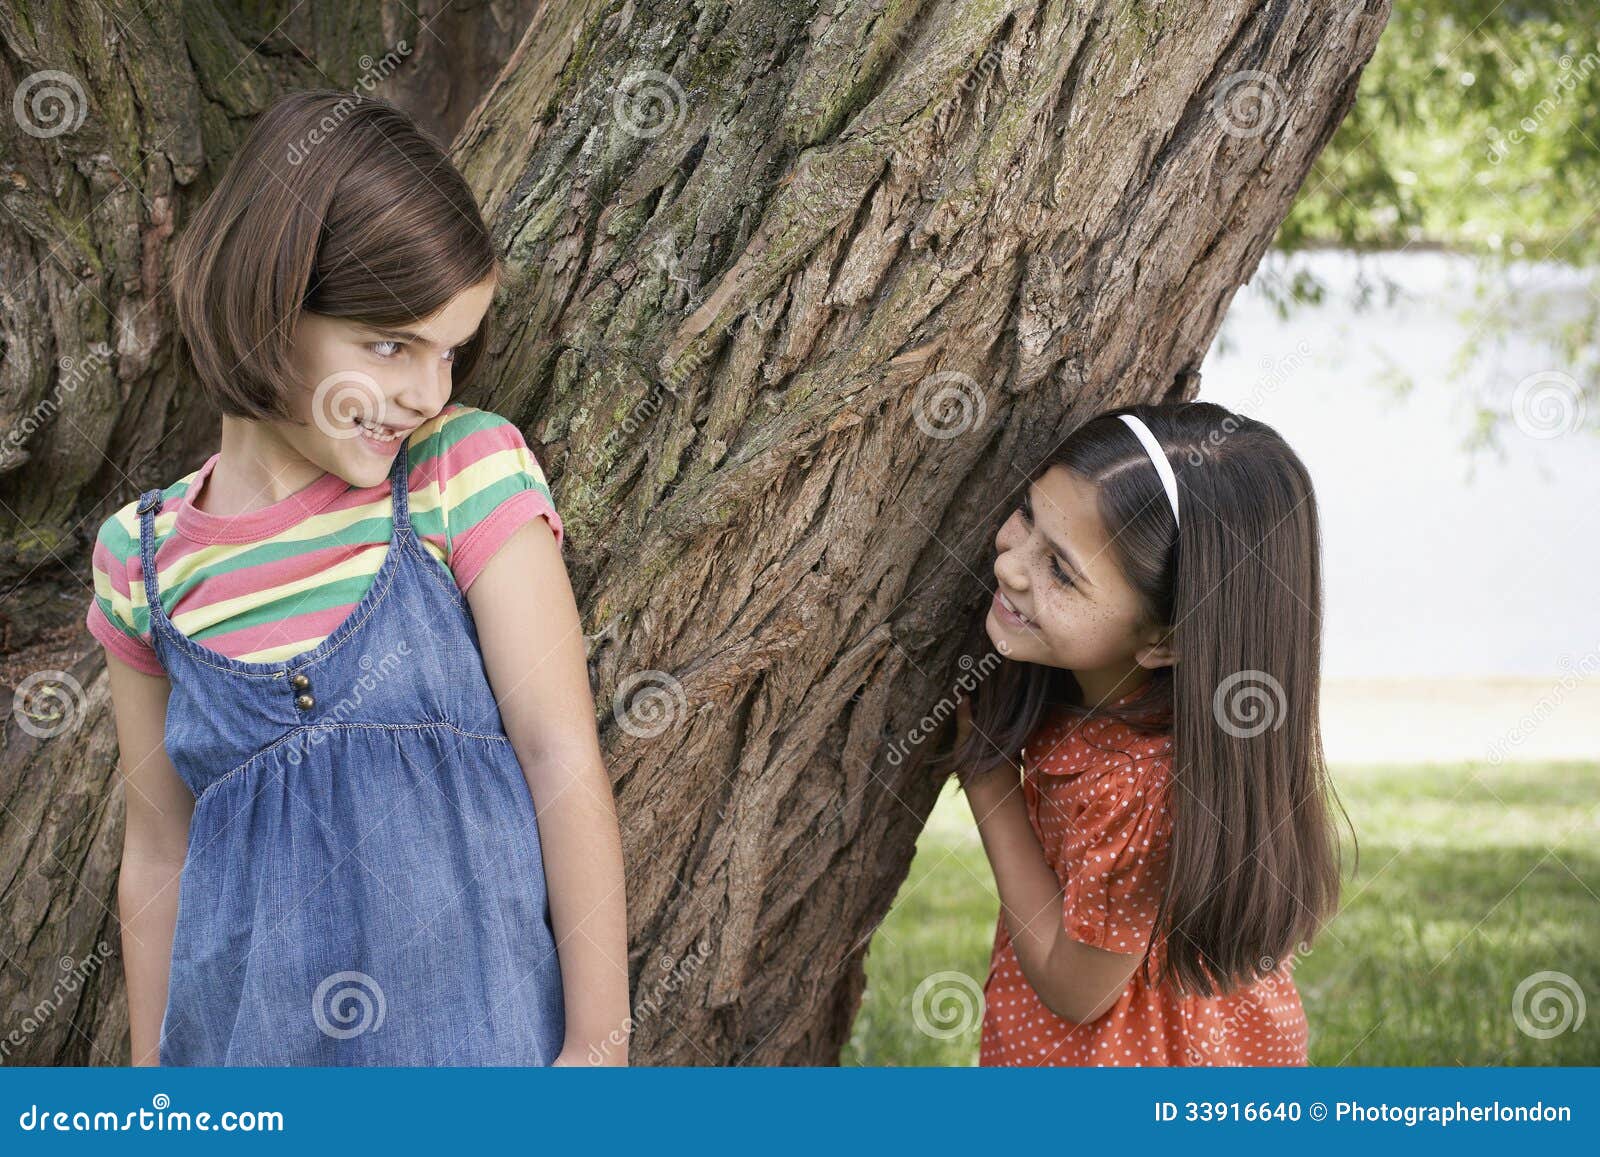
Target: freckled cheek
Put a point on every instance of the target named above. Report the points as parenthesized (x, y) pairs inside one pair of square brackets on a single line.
[(1054, 613), (1075, 625)]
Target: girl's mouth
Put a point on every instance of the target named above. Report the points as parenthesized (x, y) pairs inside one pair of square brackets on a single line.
[(380, 438), (1008, 613)]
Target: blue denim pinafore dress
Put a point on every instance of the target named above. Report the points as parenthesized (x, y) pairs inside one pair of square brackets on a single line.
[(364, 883)]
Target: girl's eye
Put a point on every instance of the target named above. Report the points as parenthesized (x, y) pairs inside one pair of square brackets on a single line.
[(1061, 575), (384, 349), (450, 354)]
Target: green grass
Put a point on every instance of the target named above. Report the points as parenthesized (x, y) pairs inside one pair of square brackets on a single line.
[(1471, 879)]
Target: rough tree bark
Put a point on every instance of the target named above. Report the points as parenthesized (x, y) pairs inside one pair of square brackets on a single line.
[(764, 247), (119, 120), (798, 293)]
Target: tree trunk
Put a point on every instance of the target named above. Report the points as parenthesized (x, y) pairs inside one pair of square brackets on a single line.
[(797, 297), (120, 119), (804, 291)]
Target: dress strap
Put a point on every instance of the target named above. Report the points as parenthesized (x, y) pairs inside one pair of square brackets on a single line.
[(149, 504), (400, 488)]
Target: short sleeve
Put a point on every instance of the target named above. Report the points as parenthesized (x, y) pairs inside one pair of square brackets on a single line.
[(1112, 886), (111, 618), (491, 485)]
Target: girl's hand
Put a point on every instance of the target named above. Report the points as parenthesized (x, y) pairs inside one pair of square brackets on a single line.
[(1001, 778)]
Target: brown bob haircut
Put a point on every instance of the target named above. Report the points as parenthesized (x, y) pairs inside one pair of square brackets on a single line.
[(336, 204), (1253, 867)]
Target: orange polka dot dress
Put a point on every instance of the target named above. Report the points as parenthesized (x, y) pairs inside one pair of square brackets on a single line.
[(1096, 795)]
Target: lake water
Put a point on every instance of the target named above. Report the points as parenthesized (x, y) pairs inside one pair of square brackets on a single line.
[(1442, 566), (1439, 562)]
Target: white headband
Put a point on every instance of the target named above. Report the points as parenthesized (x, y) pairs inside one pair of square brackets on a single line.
[(1158, 458)]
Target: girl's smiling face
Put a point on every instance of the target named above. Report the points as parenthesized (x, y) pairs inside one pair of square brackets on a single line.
[(1062, 600), (366, 389)]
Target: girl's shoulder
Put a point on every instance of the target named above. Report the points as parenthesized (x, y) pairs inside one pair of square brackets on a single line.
[(452, 425), (1098, 748), (470, 449), (116, 544), (474, 480), (117, 615)]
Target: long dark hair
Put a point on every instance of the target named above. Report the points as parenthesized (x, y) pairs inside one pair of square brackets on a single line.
[(1253, 867)]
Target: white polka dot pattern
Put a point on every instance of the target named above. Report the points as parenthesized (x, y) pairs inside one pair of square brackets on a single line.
[(1096, 793)]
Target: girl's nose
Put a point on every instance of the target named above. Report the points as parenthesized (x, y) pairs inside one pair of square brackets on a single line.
[(428, 390), (1008, 569)]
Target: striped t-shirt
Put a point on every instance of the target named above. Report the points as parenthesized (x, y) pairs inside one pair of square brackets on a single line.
[(274, 582)]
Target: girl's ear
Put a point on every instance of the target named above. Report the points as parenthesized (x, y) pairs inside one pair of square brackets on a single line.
[(1157, 651)]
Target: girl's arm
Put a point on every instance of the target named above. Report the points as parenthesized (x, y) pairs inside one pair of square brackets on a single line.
[(154, 843), (533, 651), (1076, 982)]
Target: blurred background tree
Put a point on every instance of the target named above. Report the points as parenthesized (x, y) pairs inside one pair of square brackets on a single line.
[(1475, 131)]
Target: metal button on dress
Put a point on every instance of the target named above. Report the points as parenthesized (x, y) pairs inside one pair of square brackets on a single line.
[(304, 702), (300, 682)]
